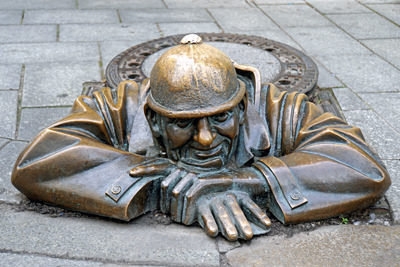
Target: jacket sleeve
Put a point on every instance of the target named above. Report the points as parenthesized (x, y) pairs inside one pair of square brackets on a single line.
[(82, 161), (319, 166)]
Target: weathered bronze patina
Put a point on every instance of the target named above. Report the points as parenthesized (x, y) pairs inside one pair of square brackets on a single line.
[(205, 144)]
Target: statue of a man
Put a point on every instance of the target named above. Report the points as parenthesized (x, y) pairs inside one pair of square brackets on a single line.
[(205, 142)]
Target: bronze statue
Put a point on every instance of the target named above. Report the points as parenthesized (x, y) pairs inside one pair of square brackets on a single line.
[(203, 141)]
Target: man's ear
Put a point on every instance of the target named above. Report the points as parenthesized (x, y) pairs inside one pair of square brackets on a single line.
[(242, 109), (152, 119)]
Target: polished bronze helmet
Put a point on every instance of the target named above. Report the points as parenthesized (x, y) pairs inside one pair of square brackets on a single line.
[(194, 79)]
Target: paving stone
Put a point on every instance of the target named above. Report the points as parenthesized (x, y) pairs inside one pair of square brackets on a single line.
[(367, 73), (70, 16), (8, 110), (36, 4), (386, 105), (379, 1), (326, 79), (300, 16), (28, 33), (279, 2), (48, 52), (8, 156), (393, 194), (348, 100), (326, 41), (76, 32), (276, 35), (338, 6), (250, 19), (364, 26), (120, 4), (33, 120), (109, 49), (389, 11), (327, 246), (10, 76), (188, 27), (3, 141), (57, 83), (378, 134), (139, 242), (10, 16), (205, 3), (225, 245), (164, 15), (386, 48)]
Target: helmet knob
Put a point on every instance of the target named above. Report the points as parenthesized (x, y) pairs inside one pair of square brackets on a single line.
[(191, 39)]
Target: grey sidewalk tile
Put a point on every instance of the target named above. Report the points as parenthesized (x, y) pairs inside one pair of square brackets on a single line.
[(261, 2), (164, 15), (33, 120), (8, 111), (364, 26), (393, 194), (387, 105), (326, 41), (205, 3), (10, 16), (26, 260), (363, 73), (2, 142), (380, 1), (391, 12), (70, 16), (36, 4), (235, 19), (387, 48), (109, 49), (106, 4), (141, 242), (275, 35), (377, 132), (57, 84), (10, 76), (327, 246), (48, 52), (326, 79), (338, 6), (28, 33), (103, 32), (188, 27), (296, 16), (348, 100)]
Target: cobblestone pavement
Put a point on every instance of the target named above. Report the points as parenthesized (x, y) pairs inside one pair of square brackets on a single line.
[(48, 48)]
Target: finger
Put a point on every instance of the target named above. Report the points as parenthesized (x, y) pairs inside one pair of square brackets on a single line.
[(255, 212), (151, 168), (242, 224), (166, 186), (224, 221), (177, 196), (207, 221)]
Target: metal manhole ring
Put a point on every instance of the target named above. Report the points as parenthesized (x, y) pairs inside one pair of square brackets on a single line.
[(298, 71)]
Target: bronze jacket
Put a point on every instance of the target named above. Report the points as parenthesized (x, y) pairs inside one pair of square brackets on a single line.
[(316, 164)]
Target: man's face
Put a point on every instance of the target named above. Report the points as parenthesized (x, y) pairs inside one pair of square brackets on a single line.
[(205, 143)]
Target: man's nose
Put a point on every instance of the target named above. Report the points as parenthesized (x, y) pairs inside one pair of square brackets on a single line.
[(204, 136)]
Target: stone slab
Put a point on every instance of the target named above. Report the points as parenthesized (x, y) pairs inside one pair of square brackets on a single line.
[(328, 246), (3, 141), (57, 84), (338, 6), (48, 52), (27, 33), (8, 111), (276, 35), (365, 26), (390, 11), (140, 242), (263, 2), (10, 76), (348, 100), (386, 105), (378, 133), (367, 73), (33, 120), (70, 16), (188, 27), (109, 49), (393, 194), (300, 16), (164, 15), (36, 4), (244, 19), (327, 79), (91, 32), (124, 4), (10, 16), (205, 3), (386, 48)]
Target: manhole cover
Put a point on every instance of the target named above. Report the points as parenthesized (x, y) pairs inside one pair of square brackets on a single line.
[(283, 65)]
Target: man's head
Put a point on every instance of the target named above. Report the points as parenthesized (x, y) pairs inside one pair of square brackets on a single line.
[(196, 105)]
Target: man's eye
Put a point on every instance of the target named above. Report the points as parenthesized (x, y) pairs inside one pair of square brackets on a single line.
[(183, 123), (221, 117)]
